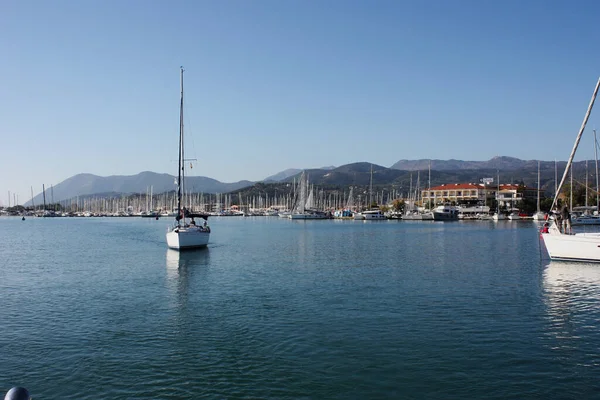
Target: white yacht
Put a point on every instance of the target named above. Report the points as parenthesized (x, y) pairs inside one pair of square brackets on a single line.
[(445, 213), (374, 214)]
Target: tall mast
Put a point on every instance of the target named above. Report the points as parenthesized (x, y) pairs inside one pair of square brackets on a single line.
[(180, 168), (555, 176), (410, 196), (370, 188), (32, 202), (429, 185), (538, 189), (498, 193), (44, 192), (417, 190), (571, 197), (586, 184), (596, 157)]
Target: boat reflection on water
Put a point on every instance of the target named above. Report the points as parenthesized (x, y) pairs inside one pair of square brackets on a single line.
[(572, 295), (178, 260), (182, 266), (572, 278)]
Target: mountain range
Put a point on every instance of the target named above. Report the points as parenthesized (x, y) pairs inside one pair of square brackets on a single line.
[(401, 176), (89, 184)]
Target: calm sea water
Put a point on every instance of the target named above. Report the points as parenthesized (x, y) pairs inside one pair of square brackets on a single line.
[(277, 309)]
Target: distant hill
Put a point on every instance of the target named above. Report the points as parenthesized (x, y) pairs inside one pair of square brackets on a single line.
[(358, 174), (283, 175), (87, 184)]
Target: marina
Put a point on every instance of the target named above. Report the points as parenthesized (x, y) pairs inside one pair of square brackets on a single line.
[(279, 309), (350, 200)]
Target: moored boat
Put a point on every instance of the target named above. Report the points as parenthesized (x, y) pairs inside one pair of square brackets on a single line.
[(560, 242), (445, 212), (373, 214), (184, 235)]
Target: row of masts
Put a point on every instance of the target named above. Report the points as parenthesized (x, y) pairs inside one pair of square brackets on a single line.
[(16, 197), (204, 202)]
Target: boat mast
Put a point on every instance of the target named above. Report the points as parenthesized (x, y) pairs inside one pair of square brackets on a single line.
[(417, 191), (596, 157), (370, 189), (498, 193), (586, 184), (538, 189), (555, 176), (180, 169), (429, 186), (581, 129), (571, 196)]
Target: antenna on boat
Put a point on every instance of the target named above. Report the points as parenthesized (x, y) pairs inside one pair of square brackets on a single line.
[(570, 162)]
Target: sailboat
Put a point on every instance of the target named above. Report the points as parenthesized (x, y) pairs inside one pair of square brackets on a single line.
[(304, 207), (563, 245), (183, 235), (539, 215), (372, 213)]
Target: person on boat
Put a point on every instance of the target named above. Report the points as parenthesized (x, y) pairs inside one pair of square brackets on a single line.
[(566, 219), (192, 222), (558, 221)]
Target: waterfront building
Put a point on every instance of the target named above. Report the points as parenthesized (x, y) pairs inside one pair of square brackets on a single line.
[(478, 193)]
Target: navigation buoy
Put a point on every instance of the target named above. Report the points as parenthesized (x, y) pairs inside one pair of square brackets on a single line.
[(23, 219), (17, 393)]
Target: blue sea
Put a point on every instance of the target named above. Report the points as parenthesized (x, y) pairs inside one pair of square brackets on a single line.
[(99, 308)]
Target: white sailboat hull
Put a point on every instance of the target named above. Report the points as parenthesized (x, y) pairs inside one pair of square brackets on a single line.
[(586, 220), (539, 216), (583, 247), (370, 216), (307, 215), (187, 238)]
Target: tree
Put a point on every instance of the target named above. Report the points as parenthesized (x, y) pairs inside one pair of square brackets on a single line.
[(398, 205), (545, 204)]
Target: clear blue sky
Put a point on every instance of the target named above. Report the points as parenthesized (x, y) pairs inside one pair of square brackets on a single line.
[(93, 86)]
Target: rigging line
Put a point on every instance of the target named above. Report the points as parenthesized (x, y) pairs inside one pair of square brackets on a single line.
[(583, 184), (189, 135), (577, 139)]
